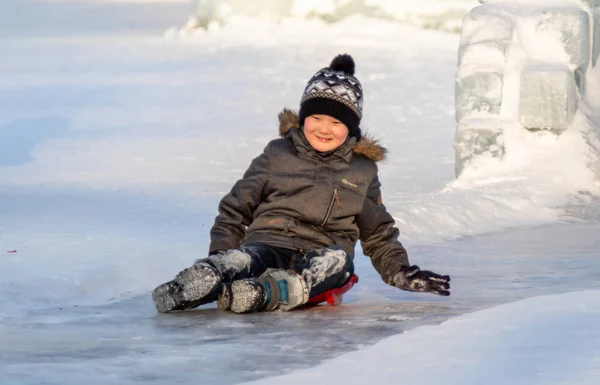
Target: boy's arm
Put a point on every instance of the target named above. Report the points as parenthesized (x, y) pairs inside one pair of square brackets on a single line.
[(379, 237), (236, 209)]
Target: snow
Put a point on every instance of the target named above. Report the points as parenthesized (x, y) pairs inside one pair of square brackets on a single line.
[(116, 143), (547, 340)]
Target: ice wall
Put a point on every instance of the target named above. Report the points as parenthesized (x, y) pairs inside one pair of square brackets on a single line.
[(522, 65)]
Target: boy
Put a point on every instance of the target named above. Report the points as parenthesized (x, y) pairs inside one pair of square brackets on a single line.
[(287, 230)]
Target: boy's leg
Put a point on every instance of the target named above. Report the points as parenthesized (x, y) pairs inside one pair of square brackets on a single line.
[(200, 283), (240, 291), (325, 269), (313, 274), (250, 260)]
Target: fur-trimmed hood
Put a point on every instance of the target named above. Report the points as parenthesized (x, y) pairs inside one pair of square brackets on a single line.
[(367, 146)]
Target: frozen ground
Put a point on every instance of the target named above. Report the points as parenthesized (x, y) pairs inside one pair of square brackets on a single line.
[(116, 144)]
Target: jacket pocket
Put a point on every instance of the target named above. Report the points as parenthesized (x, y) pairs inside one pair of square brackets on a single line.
[(350, 199)]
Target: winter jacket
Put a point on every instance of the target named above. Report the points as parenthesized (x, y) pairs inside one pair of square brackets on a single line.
[(293, 197)]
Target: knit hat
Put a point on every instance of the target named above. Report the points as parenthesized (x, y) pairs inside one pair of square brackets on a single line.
[(334, 91)]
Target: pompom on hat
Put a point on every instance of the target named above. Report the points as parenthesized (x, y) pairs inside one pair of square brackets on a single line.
[(336, 92)]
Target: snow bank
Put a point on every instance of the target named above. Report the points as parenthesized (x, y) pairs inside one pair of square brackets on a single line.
[(547, 340)]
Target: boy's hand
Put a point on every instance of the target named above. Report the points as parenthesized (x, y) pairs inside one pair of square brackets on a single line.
[(414, 279)]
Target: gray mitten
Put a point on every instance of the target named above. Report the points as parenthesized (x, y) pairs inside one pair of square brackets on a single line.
[(414, 279)]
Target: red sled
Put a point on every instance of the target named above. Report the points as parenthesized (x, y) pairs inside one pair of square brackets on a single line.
[(334, 297)]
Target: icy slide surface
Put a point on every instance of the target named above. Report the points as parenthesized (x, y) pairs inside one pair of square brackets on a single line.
[(126, 341)]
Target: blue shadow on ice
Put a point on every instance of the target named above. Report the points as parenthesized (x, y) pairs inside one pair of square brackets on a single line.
[(19, 138)]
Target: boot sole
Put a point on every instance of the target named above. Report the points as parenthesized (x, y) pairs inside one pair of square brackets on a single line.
[(189, 289), (246, 296)]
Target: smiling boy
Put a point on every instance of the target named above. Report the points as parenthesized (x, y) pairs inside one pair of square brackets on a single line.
[(287, 230)]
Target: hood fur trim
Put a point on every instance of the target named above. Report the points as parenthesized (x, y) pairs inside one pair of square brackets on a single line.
[(368, 146), (288, 119)]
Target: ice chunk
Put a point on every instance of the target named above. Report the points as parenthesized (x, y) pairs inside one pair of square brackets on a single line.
[(478, 90), (203, 9), (570, 27), (591, 3), (596, 35), (579, 74), (471, 142), (485, 36), (485, 23), (548, 98), (201, 16)]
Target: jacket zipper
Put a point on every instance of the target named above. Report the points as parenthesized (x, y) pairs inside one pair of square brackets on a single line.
[(334, 199)]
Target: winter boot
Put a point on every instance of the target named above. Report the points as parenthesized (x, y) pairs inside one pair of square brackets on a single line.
[(243, 296), (275, 289), (192, 287)]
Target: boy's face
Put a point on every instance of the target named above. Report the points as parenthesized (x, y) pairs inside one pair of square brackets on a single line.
[(325, 133)]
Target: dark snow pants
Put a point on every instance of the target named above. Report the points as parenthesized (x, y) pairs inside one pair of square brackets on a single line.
[(321, 269)]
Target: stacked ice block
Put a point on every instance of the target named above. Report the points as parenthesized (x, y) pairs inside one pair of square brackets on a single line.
[(545, 48)]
